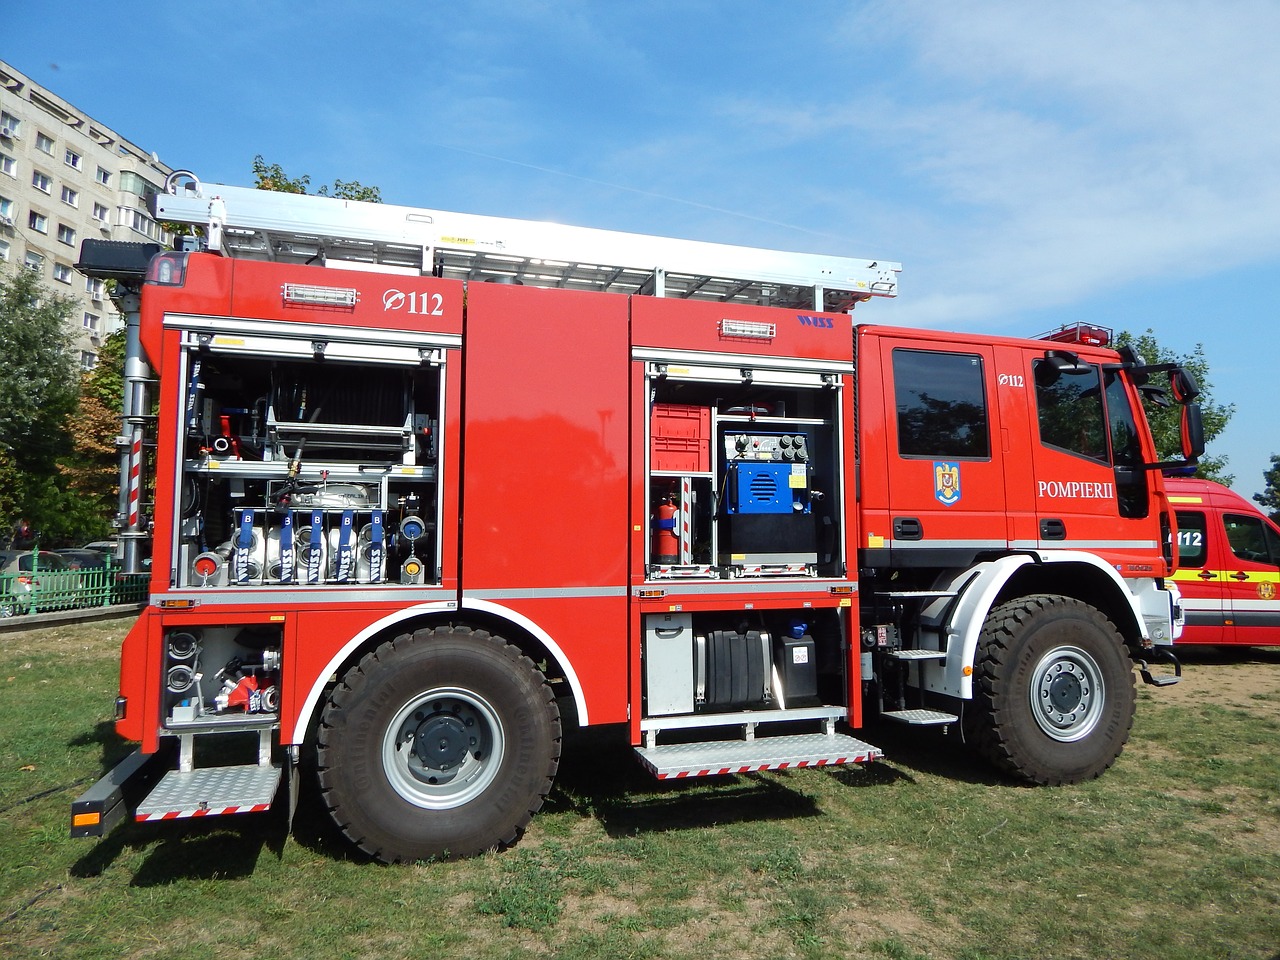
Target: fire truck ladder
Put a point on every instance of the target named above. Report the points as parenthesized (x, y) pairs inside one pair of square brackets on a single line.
[(293, 228)]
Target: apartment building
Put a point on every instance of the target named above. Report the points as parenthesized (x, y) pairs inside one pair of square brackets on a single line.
[(64, 178)]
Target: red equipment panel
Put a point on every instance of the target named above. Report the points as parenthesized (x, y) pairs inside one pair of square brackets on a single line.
[(740, 329), (381, 300), (544, 471)]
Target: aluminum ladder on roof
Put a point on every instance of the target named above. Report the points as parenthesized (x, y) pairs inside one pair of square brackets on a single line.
[(293, 228)]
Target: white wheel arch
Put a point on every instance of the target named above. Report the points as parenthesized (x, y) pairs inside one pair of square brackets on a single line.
[(387, 623), (978, 587)]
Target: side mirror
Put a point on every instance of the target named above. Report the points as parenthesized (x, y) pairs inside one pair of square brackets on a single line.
[(1192, 431), (1058, 362), (1183, 385)]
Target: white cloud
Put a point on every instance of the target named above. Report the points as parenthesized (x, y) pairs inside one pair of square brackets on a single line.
[(1061, 148)]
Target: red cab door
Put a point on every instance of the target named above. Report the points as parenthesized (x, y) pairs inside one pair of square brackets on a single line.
[(944, 487), (1091, 489)]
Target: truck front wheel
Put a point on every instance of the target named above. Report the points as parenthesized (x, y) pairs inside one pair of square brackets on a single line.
[(1053, 689), (438, 745)]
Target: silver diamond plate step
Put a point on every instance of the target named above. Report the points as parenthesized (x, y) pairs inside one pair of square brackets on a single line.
[(211, 792), (745, 756), (917, 654), (920, 717)]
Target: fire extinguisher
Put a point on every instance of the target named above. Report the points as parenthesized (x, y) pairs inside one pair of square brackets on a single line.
[(666, 545)]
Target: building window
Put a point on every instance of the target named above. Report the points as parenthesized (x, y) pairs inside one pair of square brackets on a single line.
[(10, 126), (6, 207), (104, 177), (136, 184), (4, 251), (72, 159), (100, 212), (70, 197), (8, 165), (143, 224), (38, 222), (66, 235), (42, 182), (34, 261), (91, 322), (44, 143), (95, 288), (62, 273), (88, 360)]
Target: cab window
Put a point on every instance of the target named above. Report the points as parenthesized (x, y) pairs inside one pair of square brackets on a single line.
[(941, 400), (1191, 538), (1070, 411), (1126, 448), (1251, 539)]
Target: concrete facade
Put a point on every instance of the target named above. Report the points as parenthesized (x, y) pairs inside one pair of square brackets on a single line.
[(65, 178)]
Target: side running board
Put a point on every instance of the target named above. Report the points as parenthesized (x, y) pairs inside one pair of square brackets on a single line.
[(1164, 679)]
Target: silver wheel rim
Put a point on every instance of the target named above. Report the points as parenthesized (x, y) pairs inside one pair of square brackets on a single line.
[(443, 748), (1067, 694)]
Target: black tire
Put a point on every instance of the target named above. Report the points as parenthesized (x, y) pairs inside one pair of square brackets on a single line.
[(442, 744), (1053, 689)]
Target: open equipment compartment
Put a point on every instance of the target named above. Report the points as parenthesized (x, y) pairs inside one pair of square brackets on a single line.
[(307, 467), (744, 479)]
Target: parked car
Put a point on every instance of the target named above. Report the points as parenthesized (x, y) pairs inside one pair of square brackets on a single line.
[(109, 548), (46, 582), (84, 558)]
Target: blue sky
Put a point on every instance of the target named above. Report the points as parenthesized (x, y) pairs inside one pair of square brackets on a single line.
[(1029, 164)]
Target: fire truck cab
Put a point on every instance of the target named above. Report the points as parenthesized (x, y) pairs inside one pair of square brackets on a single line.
[(430, 486), (1228, 566)]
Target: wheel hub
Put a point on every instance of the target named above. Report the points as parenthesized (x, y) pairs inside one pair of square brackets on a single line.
[(442, 742), (1067, 693), (443, 748)]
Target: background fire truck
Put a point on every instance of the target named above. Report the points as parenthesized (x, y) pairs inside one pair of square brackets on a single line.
[(1228, 566), (430, 486)]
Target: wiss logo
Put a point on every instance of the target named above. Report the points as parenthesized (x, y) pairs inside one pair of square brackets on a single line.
[(807, 321)]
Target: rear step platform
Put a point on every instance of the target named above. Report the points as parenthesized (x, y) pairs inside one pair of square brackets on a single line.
[(211, 792), (717, 757)]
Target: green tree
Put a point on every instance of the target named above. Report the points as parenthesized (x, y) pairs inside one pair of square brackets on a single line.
[(1269, 498), (92, 471), (1165, 422), (38, 392), (270, 176)]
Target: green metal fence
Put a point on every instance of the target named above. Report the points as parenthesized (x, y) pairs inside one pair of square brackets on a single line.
[(43, 591)]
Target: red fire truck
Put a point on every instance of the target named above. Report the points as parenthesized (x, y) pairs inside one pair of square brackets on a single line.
[(430, 486), (1228, 566)]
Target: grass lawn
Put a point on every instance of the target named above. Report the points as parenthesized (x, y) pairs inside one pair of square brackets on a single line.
[(1173, 853)]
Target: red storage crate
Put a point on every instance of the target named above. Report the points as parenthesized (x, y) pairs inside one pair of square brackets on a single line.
[(681, 436)]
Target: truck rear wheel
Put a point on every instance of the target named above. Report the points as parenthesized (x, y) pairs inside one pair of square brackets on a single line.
[(441, 744), (1054, 690)]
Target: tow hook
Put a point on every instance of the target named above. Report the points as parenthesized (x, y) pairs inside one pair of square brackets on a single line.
[(1164, 679)]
